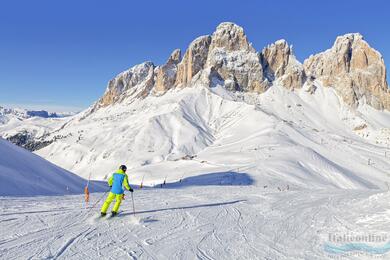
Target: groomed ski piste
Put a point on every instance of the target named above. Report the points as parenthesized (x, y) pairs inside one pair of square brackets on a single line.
[(198, 222), (280, 175)]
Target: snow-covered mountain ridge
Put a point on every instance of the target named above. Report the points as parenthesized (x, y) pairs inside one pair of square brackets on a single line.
[(280, 138), (24, 127), (7, 114)]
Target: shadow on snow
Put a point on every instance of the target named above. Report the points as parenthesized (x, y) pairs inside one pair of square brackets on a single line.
[(215, 179)]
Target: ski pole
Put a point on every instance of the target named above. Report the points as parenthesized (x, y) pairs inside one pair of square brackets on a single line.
[(132, 198)]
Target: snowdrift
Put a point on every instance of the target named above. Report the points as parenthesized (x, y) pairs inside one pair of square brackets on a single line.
[(24, 174)]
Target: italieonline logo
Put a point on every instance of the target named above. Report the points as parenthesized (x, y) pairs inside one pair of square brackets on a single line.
[(357, 243)]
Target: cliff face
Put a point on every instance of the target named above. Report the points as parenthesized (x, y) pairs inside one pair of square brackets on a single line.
[(135, 82), (354, 69), (166, 74), (280, 63), (235, 61), (193, 61)]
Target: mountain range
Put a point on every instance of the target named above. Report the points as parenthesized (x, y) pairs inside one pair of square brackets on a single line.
[(225, 106), (354, 69)]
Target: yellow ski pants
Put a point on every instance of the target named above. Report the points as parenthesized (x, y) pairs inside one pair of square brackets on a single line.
[(111, 196)]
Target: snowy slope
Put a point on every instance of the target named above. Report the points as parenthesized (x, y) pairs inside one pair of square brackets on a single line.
[(24, 173), (36, 126), (198, 222), (280, 137)]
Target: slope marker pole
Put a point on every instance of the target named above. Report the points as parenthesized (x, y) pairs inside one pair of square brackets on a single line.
[(142, 182)]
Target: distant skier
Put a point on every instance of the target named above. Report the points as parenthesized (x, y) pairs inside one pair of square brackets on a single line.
[(116, 181)]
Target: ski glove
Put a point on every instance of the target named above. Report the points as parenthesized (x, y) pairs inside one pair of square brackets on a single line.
[(131, 190)]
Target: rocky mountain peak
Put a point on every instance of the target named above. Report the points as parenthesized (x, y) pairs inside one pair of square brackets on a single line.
[(175, 57), (275, 58), (135, 82), (354, 69), (347, 40), (280, 64), (166, 74), (232, 59), (231, 37), (193, 60)]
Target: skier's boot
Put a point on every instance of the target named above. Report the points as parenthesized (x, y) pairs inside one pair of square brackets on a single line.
[(103, 214), (113, 213)]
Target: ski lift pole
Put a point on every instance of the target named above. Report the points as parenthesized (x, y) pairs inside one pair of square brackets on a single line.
[(132, 198)]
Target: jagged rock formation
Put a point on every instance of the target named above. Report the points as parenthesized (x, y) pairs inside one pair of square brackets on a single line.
[(235, 60), (354, 69), (193, 60), (137, 82), (280, 63), (351, 66), (166, 74)]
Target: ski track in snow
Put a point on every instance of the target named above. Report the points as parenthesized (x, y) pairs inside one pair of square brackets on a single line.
[(243, 222)]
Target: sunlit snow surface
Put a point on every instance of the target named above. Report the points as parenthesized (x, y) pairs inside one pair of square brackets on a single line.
[(23, 173), (190, 222), (279, 137)]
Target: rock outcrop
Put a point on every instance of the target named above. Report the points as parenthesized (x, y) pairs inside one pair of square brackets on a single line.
[(354, 69), (234, 59), (193, 61), (137, 81), (279, 63), (166, 74)]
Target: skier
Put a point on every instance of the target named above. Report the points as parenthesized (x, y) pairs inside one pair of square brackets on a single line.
[(116, 181)]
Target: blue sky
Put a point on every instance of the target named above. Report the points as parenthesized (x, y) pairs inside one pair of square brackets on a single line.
[(60, 55)]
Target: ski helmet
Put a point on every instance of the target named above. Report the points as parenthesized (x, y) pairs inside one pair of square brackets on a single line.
[(123, 168)]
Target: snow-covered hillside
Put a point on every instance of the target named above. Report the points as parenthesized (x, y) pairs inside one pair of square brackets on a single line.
[(7, 114), (35, 126), (25, 127), (281, 138), (24, 173), (224, 106)]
